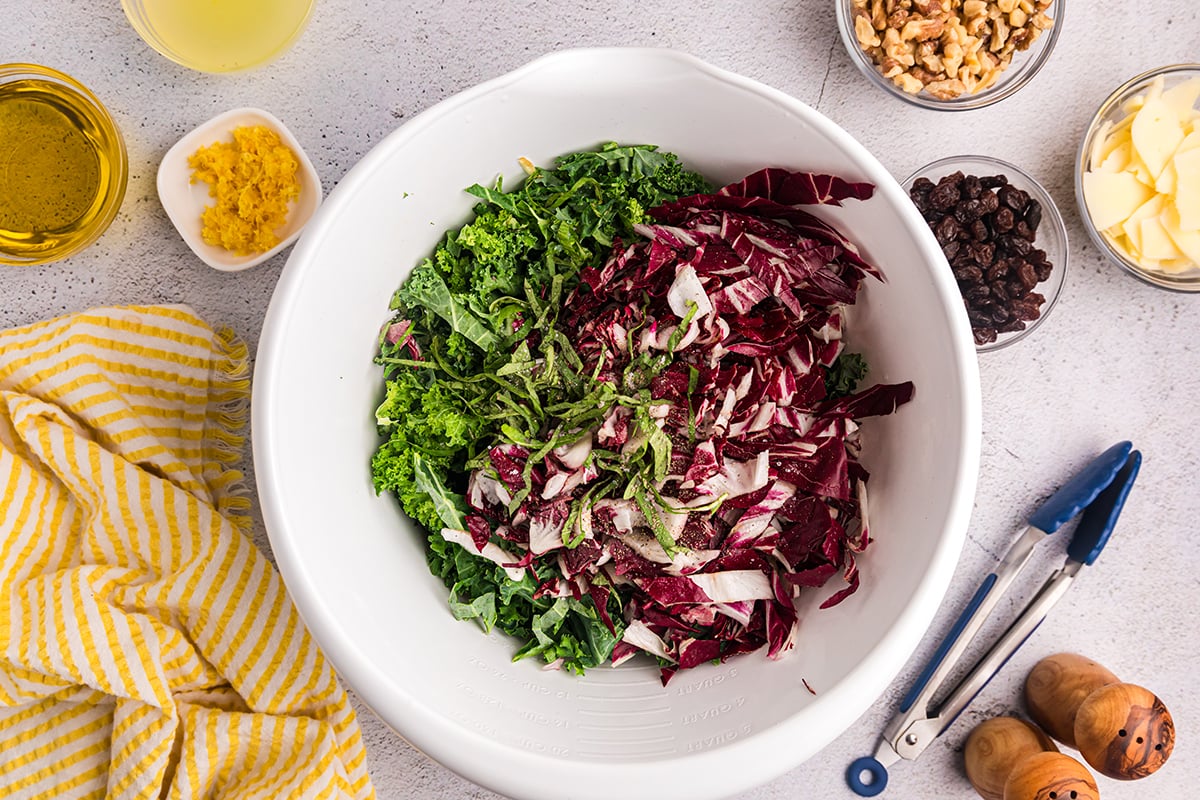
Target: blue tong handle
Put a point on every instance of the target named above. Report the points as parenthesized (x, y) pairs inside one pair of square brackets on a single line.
[(1099, 491), (1082, 490), (1100, 517), (1074, 496)]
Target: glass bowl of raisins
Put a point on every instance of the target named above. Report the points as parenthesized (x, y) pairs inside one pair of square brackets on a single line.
[(1003, 239)]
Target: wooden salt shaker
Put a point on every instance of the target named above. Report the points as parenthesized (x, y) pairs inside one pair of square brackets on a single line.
[(1122, 730), (1009, 759)]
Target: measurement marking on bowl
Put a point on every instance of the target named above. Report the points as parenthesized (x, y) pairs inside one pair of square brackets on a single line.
[(544, 720), (627, 742), (648, 726), (706, 683), (640, 755), (714, 711), (636, 699), (621, 683), (709, 742), (613, 712)]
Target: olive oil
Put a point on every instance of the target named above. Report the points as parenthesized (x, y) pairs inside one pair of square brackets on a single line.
[(60, 157), (218, 35)]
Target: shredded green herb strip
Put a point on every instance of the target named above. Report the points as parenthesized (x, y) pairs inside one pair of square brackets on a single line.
[(494, 366)]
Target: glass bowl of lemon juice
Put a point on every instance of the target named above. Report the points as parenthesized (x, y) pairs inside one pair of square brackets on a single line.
[(219, 35)]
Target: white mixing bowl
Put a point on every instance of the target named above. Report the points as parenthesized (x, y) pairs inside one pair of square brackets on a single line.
[(355, 564)]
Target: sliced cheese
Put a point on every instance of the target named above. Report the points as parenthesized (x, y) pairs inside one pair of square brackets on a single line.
[(1155, 90), (1187, 189), (1118, 138), (1157, 131), (1165, 185), (1188, 241), (1119, 160), (1139, 170), (1112, 197), (1100, 140), (1156, 242), (1177, 265), (1132, 227), (1130, 233), (1182, 98)]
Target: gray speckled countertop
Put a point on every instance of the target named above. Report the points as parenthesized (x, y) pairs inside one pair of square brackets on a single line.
[(1116, 359)]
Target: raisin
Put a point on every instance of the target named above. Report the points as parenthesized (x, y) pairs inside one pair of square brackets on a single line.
[(979, 230), (1011, 326), (1033, 215), (984, 253), (947, 230), (923, 185), (946, 194), (968, 211), (944, 197), (969, 275), (951, 249), (1004, 220), (977, 293), (1043, 272), (1013, 198), (1024, 231), (963, 259), (990, 202), (920, 193), (985, 335), (1025, 310), (993, 181), (999, 291), (972, 187), (1027, 275)]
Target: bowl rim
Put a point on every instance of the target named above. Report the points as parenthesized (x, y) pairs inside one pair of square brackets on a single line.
[(1083, 158), (710, 773), (993, 94), (114, 193), (1055, 216)]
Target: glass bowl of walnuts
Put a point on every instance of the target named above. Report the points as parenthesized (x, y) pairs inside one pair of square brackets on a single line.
[(950, 55), (1003, 238)]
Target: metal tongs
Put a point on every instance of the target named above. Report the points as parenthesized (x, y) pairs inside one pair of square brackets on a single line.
[(1098, 492)]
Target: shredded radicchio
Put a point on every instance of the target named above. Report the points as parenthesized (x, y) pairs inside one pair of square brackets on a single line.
[(729, 311)]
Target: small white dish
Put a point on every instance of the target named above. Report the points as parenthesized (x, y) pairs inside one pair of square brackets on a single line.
[(185, 201)]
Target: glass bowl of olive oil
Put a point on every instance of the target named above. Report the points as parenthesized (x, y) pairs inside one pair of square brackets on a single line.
[(219, 35), (63, 165)]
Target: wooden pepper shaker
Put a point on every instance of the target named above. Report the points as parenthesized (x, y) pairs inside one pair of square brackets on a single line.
[(1124, 731), (1009, 759)]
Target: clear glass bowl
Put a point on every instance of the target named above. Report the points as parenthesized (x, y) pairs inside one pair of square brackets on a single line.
[(1051, 233), (1113, 110), (219, 35), (1025, 65), (80, 221)]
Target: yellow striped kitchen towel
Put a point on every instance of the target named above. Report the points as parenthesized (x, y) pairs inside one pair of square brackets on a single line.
[(147, 648)]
